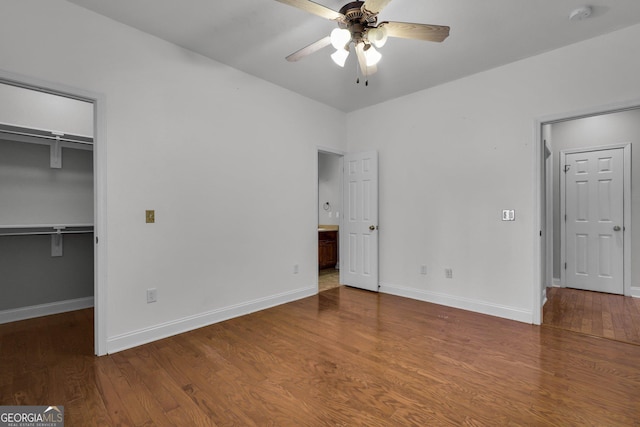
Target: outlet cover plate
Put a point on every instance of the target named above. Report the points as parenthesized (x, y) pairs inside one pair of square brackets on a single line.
[(508, 215)]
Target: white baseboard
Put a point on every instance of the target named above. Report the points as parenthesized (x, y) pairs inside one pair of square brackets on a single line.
[(635, 291), (22, 313), (178, 326), (556, 282), (484, 307)]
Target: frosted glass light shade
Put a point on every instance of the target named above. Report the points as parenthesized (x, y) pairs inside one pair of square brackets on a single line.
[(372, 56), (340, 56), (377, 36), (340, 37)]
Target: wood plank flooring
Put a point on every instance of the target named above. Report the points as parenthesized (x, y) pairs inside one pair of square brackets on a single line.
[(605, 315), (344, 357)]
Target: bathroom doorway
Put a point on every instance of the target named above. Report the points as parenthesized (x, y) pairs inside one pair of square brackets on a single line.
[(329, 217)]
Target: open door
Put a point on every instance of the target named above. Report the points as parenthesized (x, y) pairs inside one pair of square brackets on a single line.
[(359, 229)]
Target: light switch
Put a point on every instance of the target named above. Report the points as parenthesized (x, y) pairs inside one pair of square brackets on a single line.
[(150, 216), (508, 215)]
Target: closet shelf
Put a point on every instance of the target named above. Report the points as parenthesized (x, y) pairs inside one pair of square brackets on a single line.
[(40, 230)]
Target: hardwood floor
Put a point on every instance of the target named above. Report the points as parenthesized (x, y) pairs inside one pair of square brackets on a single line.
[(328, 278), (605, 315), (343, 357)]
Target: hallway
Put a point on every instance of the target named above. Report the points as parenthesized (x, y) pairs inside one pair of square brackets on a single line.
[(593, 313)]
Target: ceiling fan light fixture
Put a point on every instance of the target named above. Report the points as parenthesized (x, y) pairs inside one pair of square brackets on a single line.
[(371, 55), (377, 36), (340, 56), (340, 37)]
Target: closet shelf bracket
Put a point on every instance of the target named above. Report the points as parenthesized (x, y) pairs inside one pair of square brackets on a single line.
[(56, 151), (56, 241)]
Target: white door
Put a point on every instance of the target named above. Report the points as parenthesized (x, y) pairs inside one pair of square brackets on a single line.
[(594, 208), (359, 229)]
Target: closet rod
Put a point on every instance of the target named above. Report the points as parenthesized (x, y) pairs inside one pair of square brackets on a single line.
[(52, 137), (45, 231)]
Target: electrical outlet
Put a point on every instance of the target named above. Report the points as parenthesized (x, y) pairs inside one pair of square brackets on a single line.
[(448, 273), (423, 269), (150, 217), (152, 295)]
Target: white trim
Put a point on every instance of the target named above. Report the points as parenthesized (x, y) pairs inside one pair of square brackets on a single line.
[(330, 150), (100, 190), (556, 282), (478, 306), (22, 313), (626, 154), (189, 323), (536, 285)]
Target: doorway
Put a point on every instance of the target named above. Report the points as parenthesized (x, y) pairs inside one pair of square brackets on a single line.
[(96, 187), (586, 131), (329, 217)]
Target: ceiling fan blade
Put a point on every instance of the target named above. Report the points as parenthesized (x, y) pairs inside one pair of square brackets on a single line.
[(362, 60), (406, 30), (308, 50), (375, 6), (315, 8)]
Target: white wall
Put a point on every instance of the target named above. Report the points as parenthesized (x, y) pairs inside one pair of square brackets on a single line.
[(453, 156), (227, 161), (329, 188)]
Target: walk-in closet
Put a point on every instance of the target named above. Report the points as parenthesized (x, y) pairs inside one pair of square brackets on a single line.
[(46, 203)]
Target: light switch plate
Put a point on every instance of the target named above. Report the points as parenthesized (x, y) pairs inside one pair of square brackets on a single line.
[(508, 215), (150, 216)]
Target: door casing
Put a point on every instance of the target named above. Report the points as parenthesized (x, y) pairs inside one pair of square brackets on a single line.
[(99, 191)]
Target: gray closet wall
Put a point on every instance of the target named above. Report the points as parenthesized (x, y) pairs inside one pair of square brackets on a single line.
[(32, 193)]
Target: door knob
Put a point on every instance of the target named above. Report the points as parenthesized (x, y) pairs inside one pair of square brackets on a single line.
[(372, 227), (616, 228)]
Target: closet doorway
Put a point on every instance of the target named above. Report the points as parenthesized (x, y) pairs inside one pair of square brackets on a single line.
[(48, 214)]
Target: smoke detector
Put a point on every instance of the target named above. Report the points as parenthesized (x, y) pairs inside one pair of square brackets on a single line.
[(580, 13)]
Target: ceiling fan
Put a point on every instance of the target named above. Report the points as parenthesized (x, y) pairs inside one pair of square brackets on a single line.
[(358, 24)]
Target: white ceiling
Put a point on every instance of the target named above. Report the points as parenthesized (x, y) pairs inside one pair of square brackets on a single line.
[(255, 36)]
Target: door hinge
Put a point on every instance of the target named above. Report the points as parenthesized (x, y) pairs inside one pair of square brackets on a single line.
[(540, 233), (566, 168), (565, 217), (96, 240), (565, 265)]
